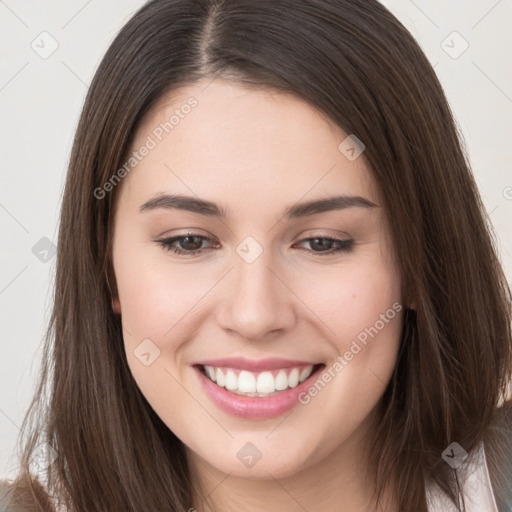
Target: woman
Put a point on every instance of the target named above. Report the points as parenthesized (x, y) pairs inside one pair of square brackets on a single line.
[(276, 288)]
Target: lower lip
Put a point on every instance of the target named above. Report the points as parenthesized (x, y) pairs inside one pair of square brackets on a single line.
[(249, 407)]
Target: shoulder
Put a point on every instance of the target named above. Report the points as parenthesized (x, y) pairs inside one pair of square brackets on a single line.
[(18, 496), (498, 450)]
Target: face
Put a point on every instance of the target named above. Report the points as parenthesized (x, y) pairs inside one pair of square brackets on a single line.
[(291, 305)]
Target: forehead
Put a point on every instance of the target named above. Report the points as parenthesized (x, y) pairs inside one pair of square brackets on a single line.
[(242, 144)]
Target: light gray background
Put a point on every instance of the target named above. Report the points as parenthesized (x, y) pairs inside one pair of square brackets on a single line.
[(40, 100)]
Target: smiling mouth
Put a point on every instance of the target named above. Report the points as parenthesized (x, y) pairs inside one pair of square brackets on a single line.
[(259, 384)]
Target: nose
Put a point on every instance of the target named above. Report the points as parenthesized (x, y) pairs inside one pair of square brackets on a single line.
[(257, 300)]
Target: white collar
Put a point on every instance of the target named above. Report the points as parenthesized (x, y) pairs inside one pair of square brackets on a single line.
[(477, 488)]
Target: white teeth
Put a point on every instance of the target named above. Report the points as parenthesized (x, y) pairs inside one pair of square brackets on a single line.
[(219, 377), (231, 380), (281, 380), (305, 373), (265, 383), (293, 378), (257, 384), (246, 382), (211, 373)]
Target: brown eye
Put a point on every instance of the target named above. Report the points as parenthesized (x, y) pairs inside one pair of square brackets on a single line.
[(324, 245), (189, 244), (192, 244)]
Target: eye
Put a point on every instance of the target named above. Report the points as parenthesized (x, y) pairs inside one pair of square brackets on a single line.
[(191, 244), (325, 245)]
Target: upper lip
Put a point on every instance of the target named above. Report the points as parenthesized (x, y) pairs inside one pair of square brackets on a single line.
[(254, 365)]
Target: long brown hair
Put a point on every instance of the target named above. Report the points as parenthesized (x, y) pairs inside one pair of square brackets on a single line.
[(353, 61)]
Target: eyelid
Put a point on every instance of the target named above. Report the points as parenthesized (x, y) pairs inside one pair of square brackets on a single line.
[(309, 233), (186, 232), (347, 244), (320, 233)]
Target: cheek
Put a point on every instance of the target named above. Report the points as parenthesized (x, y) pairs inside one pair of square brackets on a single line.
[(154, 295), (156, 303), (360, 313), (348, 300)]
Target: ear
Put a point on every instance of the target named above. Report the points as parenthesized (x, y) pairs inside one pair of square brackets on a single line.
[(116, 305), (112, 285)]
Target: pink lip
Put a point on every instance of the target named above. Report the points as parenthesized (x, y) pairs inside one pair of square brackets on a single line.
[(252, 365), (248, 407)]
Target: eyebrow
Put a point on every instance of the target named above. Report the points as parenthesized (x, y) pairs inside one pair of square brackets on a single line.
[(299, 210)]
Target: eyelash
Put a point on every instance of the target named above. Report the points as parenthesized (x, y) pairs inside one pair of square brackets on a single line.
[(167, 244)]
